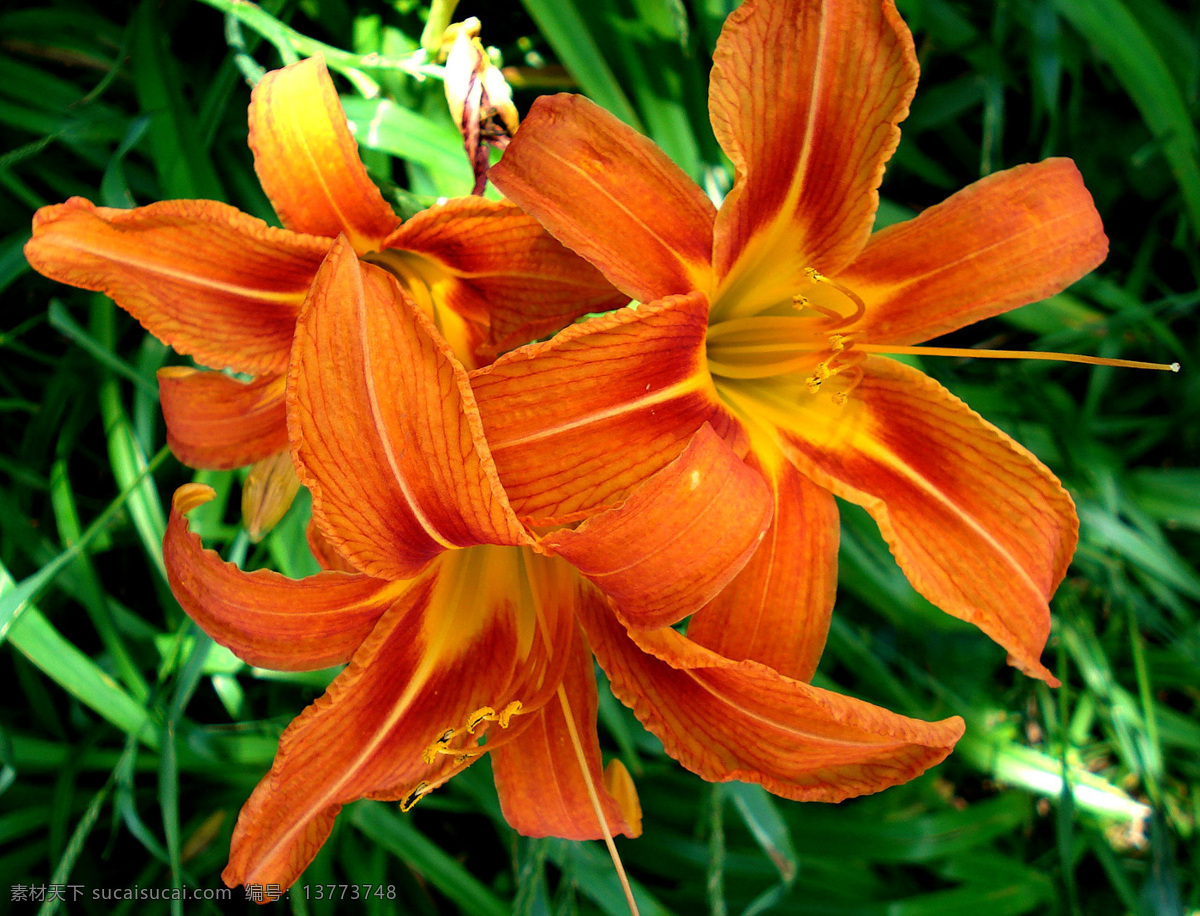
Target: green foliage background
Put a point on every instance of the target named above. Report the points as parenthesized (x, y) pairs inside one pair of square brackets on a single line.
[(128, 741)]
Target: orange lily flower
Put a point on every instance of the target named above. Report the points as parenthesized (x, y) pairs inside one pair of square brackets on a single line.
[(455, 621), (225, 288), (768, 319)]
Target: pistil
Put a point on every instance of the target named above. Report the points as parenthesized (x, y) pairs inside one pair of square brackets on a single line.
[(972, 353)]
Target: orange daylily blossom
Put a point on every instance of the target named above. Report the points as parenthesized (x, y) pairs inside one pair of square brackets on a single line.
[(225, 288), (768, 320), (457, 622)]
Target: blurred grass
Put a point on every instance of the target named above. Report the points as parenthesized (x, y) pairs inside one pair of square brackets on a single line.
[(129, 742)]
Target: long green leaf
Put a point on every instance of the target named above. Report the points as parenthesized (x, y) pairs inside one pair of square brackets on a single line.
[(1119, 37), (563, 25), (36, 638), (398, 835)]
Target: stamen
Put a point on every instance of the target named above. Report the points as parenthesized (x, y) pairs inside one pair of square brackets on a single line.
[(506, 714), (430, 754), (442, 744), (420, 790), (832, 314), (860, 307), (841, 360), (849, 381), (814, 381), (478, 717)]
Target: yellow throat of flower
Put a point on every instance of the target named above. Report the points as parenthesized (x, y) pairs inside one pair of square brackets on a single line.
[(427, 283), (813, 336), (810, 335)]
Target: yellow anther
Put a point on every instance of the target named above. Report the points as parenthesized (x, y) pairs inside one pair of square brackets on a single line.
[(799, 301), (439, 746), (508, 712), (461, 753), (839, 398), (837, 343), (479, 716), (419, 791), (824, 371), (814, 275)]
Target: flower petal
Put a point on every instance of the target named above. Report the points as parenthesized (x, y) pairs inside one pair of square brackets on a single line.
[(979, 525), (497, 266), (777, 610), (199, 275), (580, 420), (805, 97), (264, 618), (727, 720), (452, 646), (538, 775), (217, 422), (323, 552), (307, 161), (678, 539), (605, 191), (384, 427), (1012, 238)]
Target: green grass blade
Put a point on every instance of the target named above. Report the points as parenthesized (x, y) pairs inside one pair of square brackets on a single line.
[(397, 834), (1119, 37), (564, 27), (36, 638), (15, 598)]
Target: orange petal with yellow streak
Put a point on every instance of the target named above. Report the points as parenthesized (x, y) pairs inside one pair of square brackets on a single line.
[(578, 421), (307, 161), (264, 618), (495, 265), (460, 639), (777, 610), (678, 539), (610, 194), (539, 776), (978, 525), (199, 275), (323, 552), (727, 720), (384, 427), (805, 99), (217, 422), (1014, 237)]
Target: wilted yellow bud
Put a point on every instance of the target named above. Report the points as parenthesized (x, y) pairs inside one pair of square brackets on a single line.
[(267, 493), (479, 97)]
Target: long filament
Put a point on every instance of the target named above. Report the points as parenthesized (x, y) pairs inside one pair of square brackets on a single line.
[(595, 799), (581, 759), (785, 347), (971, 353)]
